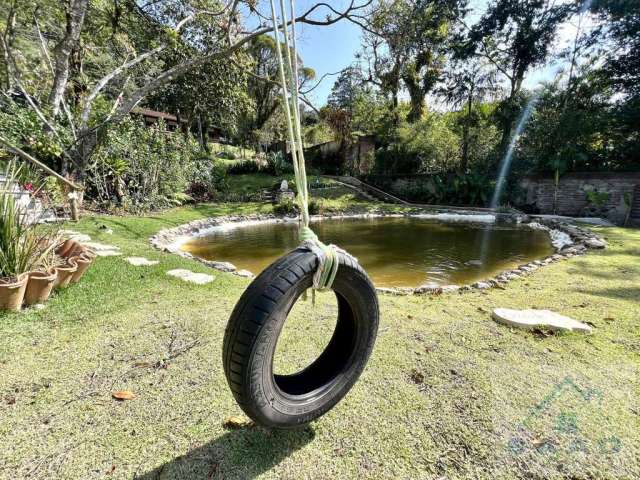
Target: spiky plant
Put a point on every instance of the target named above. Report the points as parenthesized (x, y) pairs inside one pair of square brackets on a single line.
[(22, 246)]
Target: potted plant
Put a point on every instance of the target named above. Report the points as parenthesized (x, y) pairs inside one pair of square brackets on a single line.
[(42, 280), (83, 261), (39, 286), (22, 244), (65, 273)]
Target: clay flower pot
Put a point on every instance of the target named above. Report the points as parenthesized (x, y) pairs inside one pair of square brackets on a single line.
[(39, 286), (71, 248), (65, 273), (83, 262), (12, 292)]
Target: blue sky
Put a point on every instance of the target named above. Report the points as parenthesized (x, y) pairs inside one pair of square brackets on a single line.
[(331, 49)]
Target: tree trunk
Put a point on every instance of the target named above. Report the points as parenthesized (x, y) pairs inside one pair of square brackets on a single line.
[(9, 36), (76, 11), (464, 164)]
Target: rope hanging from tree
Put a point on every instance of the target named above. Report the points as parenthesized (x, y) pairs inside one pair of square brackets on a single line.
[(327, 254)]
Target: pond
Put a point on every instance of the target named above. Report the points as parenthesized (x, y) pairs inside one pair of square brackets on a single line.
[(395, 251)]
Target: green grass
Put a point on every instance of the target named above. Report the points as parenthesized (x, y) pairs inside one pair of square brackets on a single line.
[(337, 199), (240, 152), (448, 393)]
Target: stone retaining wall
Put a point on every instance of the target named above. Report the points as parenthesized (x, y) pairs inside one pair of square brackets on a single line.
[(571, 198)]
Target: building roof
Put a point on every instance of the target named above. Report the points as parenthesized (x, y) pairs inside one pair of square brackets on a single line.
[(155, 114)]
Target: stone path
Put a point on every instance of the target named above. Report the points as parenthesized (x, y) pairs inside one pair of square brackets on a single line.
[(104, 250)]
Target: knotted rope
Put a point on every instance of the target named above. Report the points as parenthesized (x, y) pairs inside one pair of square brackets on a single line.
[(327, 254)]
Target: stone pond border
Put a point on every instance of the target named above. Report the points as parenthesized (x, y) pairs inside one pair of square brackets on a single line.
[(568, 239)]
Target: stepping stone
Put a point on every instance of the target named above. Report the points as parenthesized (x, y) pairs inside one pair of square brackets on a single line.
[(108, 253), (103, 250), (99, 246), (77, 236), (530, 319), (141, 261), (191, 277)]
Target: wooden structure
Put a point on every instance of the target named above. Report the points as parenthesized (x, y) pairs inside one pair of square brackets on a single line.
[(173, 122)]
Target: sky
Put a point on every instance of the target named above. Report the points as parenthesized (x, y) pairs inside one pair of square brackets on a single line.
[(329, 49)]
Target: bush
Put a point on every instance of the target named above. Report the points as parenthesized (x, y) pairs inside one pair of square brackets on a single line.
[(225, 155), (244, 167), (139, 168), (208, 180), (277, 164), (288, 206), (285, 207)]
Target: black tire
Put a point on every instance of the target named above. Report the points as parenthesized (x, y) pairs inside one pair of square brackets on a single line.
[(286, 401)]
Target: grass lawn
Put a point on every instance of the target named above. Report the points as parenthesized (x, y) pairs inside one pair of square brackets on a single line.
[(448, 393)]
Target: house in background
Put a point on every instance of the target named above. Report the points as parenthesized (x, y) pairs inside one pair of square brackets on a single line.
[(173, 123)]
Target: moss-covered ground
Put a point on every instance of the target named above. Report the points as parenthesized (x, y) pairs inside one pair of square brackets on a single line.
[(448, 393)]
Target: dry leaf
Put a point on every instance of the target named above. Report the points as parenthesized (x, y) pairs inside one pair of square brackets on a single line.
[(235, 422), (123, 395), (142, 364)]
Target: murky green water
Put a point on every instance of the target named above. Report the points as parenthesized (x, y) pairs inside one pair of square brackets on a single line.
[(394, 251)]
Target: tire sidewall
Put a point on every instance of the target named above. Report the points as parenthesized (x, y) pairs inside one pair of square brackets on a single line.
[(272, 406)]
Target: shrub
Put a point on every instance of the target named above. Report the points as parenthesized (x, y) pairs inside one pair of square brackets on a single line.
[(244, 167), (285, 207), (314, 207), (277, 164), (139, 168), (22, 245), (288, 206), (226, 155)]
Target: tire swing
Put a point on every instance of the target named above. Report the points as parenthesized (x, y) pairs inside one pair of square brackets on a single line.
[(286, 401)]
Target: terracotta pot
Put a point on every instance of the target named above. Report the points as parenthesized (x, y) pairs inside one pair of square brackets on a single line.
[(12, 292), (65, 247), (65, 273), (39, 286), (75, 251), (83, 262)]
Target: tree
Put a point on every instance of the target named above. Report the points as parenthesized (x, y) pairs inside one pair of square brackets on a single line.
[(264, 89), (209, 31), (349, 84), (619, 38), (469, 84), (407, 43), (515, 36)]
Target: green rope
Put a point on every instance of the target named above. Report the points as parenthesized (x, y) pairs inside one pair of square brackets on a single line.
[(328, 261)]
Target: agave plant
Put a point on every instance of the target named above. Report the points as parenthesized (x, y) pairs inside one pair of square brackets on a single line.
[(22, 244)]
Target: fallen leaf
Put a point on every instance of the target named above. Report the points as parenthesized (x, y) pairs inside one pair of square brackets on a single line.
[(123, 395), (111, 470), (235, 422), (410, 317), (142, 364), (609, 319), (483, 310)]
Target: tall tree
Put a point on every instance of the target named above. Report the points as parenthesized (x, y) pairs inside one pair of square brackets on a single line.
[(75, 12), (515, 36), (408, 42), (469, 83)]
